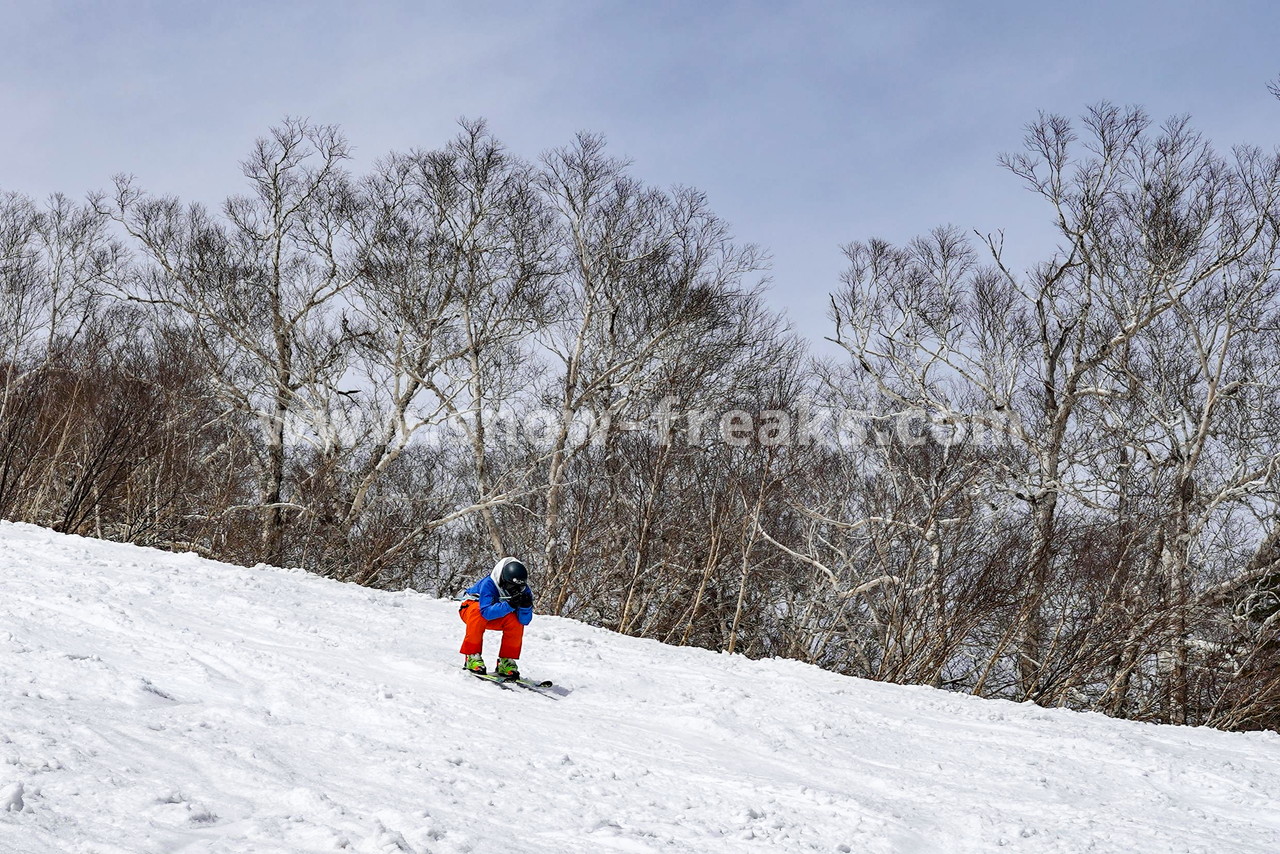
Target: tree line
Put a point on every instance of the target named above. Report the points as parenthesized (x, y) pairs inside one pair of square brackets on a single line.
[(1058, 484)]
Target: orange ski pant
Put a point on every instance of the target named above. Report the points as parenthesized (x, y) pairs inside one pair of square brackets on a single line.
[(473, 643)]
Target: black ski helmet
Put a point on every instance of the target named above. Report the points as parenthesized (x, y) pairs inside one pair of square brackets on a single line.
[(513, 577)]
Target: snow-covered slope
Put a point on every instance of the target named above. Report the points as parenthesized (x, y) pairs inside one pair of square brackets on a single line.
[(153, 702)]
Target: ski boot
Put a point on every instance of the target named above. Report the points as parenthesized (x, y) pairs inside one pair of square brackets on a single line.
[(475, 664), (508, 668)]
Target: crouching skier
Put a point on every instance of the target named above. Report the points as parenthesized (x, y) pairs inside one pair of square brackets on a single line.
[(499, 602)]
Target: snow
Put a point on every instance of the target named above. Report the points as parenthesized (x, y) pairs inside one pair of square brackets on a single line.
[(152, 702)]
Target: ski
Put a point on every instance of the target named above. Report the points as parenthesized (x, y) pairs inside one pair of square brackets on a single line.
[(529, 683), (489, 677), (537, 687), (544, 687)]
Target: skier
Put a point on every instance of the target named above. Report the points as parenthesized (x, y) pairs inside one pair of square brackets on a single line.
[(501, 601)]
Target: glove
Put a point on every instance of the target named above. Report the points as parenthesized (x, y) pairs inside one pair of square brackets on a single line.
[(523, 599)]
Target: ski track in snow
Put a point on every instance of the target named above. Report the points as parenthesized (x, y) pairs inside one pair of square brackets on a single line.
[(152, 702)]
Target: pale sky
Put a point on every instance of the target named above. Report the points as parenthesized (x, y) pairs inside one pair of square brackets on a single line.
[(809, 123)]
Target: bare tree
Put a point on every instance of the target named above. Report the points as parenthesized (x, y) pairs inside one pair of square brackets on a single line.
[(56, 261), (1152, 223), (645, 277), (452, 290), (261, 291)]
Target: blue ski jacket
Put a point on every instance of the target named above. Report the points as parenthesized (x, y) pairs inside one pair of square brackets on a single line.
[(494, 605)]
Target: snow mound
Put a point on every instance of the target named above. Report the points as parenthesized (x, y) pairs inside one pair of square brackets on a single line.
[(152, 702)]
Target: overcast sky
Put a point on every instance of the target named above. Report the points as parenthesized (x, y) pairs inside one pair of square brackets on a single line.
[(809, 123)]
